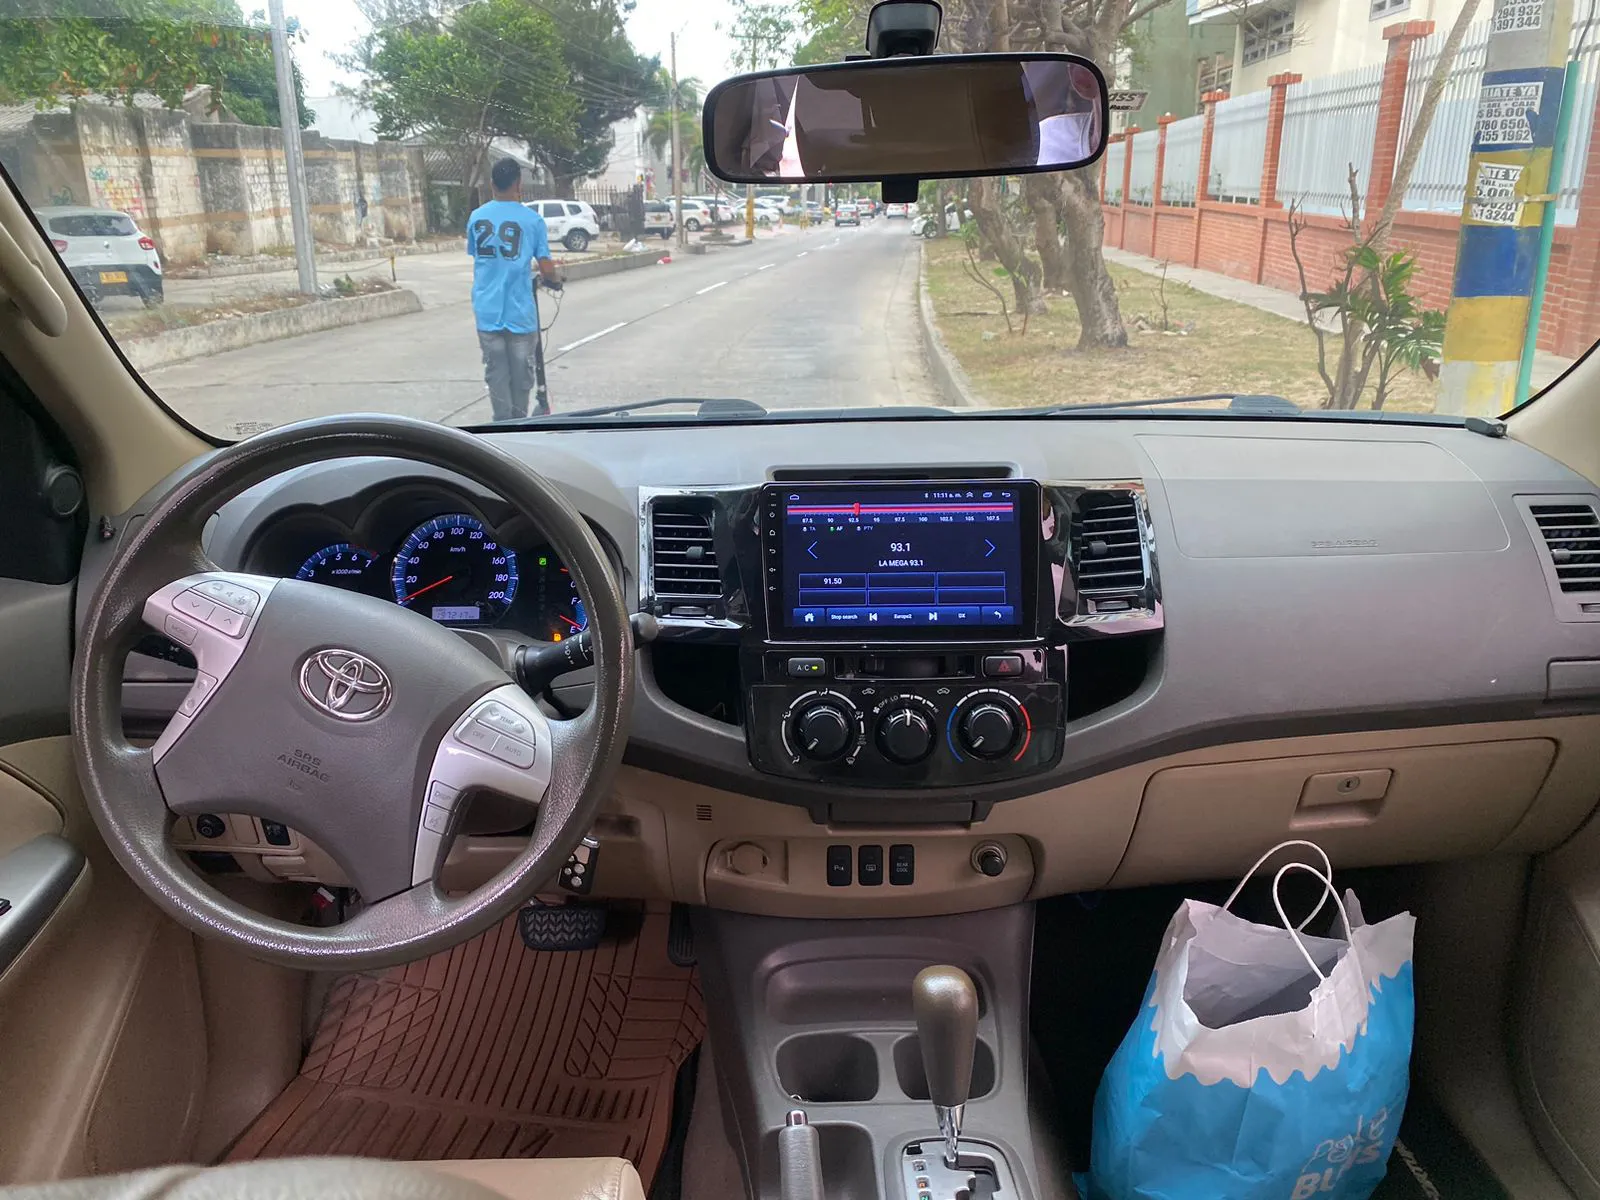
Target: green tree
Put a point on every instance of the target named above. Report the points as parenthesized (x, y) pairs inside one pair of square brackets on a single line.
[(606, 78), (691, 140), (436, 80), (251, 84), (833, 28), (763, 33), (128, 47)]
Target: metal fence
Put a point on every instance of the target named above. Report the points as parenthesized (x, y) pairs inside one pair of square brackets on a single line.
[(1438, 182), (1116, 152), (1238, 148), (1142, 175), (1329, 125), (1181, 172)]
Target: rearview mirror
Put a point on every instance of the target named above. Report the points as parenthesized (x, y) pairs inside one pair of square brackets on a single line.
[(937, 117)]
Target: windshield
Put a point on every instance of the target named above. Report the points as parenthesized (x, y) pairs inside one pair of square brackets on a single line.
[(490, 212)]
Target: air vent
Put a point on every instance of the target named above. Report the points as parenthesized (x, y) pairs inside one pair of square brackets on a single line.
[(1107, 546), (1572, 534), (683, 561)]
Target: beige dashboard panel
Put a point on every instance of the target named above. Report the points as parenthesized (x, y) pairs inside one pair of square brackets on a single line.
[(1383, 805)]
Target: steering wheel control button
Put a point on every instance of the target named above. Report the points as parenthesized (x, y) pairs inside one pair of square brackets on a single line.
[(180, 630), (503, 720), (193, 604), (240, 599), (840, 866), (210, 826), (199, 692), (902, 865), (1002, 666), (443, 795), (517, 753), (477, 735), (225, 620), (869, 866), (435, 819)]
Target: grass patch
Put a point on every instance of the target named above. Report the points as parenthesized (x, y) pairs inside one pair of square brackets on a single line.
[(1226, 346), (151, 321)]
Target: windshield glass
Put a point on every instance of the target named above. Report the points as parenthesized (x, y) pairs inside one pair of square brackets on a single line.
[(498, 211)]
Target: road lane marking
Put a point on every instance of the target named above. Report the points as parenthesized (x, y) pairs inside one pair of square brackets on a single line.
[(768, 267), (712, 288), (592, 337), (802, 254)]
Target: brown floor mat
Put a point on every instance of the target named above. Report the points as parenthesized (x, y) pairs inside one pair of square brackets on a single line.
[(491, 1050)]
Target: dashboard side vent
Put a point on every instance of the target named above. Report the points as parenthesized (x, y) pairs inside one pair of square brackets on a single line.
[(1571, 534), (1108, 544), (683, 559)]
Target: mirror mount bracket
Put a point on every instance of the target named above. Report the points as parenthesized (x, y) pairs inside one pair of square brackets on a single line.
[(903, 28), (902, 189)]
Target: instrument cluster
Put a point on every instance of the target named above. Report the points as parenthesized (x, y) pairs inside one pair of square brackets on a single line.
[(453, 566)]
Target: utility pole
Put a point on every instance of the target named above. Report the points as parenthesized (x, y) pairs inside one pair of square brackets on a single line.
[(677, 160), (305, 251), (1510, 183)]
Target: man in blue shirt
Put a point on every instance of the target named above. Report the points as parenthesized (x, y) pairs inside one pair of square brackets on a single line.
[(505, 239)]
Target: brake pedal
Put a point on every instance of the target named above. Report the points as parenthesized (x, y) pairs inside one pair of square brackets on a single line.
[(571, 926)]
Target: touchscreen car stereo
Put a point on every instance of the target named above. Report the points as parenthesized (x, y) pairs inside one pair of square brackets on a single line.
[(925, 561)]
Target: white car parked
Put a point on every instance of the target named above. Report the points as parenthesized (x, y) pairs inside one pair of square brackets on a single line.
[(572, 223), (105, 252)]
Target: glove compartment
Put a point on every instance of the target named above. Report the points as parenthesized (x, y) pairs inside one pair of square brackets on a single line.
[(1366, 808)]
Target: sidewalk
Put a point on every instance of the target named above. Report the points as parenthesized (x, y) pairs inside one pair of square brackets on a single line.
[(1546, 366)]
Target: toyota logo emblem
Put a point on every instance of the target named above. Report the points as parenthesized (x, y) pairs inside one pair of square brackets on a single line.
[(345, 685)]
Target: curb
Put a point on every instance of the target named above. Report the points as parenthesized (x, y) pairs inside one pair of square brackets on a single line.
[(942, 365), (597, 267), (216, 337)]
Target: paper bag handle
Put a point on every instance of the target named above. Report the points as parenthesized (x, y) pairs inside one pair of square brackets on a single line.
[(1328, 892), (1327, 865)]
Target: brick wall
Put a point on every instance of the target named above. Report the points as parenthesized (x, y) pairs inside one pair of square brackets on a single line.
[(218, 188)]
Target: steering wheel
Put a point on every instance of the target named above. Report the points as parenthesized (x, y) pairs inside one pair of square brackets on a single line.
[(359, 723)]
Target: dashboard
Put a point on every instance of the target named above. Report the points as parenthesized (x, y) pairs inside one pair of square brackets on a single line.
[(456, 558), (1009, 658)]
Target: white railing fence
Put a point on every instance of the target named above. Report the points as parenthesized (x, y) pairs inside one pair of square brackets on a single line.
[(1238, 148), (1116, 153), (1329, 124), (1180, 173), (1142, 175)]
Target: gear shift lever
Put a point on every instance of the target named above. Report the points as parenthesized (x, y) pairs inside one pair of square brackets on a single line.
[(946, 1006)]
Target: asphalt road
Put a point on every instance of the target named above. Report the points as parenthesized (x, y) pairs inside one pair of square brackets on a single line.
[(823, 317)]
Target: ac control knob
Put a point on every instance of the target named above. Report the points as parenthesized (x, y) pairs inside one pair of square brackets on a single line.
[(823, 731), (905, 735), (988, 730)]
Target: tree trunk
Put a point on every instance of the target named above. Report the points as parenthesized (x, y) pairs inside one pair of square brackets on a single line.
[(1093, 291), (562, 186), (1043, 195), (997, 235)]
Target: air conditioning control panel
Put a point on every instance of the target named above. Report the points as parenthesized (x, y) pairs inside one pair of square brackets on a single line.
[(912, 719)]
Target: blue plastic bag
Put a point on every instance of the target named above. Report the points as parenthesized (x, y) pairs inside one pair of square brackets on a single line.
[(1265, 1064)]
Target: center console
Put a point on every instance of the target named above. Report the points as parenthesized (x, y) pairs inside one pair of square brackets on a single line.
[(902, 634)]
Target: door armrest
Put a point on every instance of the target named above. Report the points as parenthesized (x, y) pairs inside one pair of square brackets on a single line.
[(34, 879)]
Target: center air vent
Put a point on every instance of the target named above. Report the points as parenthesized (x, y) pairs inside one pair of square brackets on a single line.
[(683, 561), (1107, 545), (1572, 534)]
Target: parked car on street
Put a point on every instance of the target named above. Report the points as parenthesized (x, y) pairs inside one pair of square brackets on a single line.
[(106, 252), (658, 219), (891, 211), (847, 214), (572, 223), (697, 215)]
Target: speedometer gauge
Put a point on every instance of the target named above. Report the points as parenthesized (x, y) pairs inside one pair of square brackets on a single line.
[(454, 570)]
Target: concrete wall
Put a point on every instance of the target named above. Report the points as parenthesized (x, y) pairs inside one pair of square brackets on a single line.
[(204, 188)]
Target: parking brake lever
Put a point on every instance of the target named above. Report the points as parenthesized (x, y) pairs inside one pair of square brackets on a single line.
[(536, 667), (799, 1159)]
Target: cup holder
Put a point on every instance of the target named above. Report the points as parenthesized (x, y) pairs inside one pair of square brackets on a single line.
[(829, 1068), (913, 1079)]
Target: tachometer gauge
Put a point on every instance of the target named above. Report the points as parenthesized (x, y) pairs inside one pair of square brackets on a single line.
[(343, 566), (454, 570), (560, 611)]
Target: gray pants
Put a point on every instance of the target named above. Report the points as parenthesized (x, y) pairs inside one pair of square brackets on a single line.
[(508, 370)]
